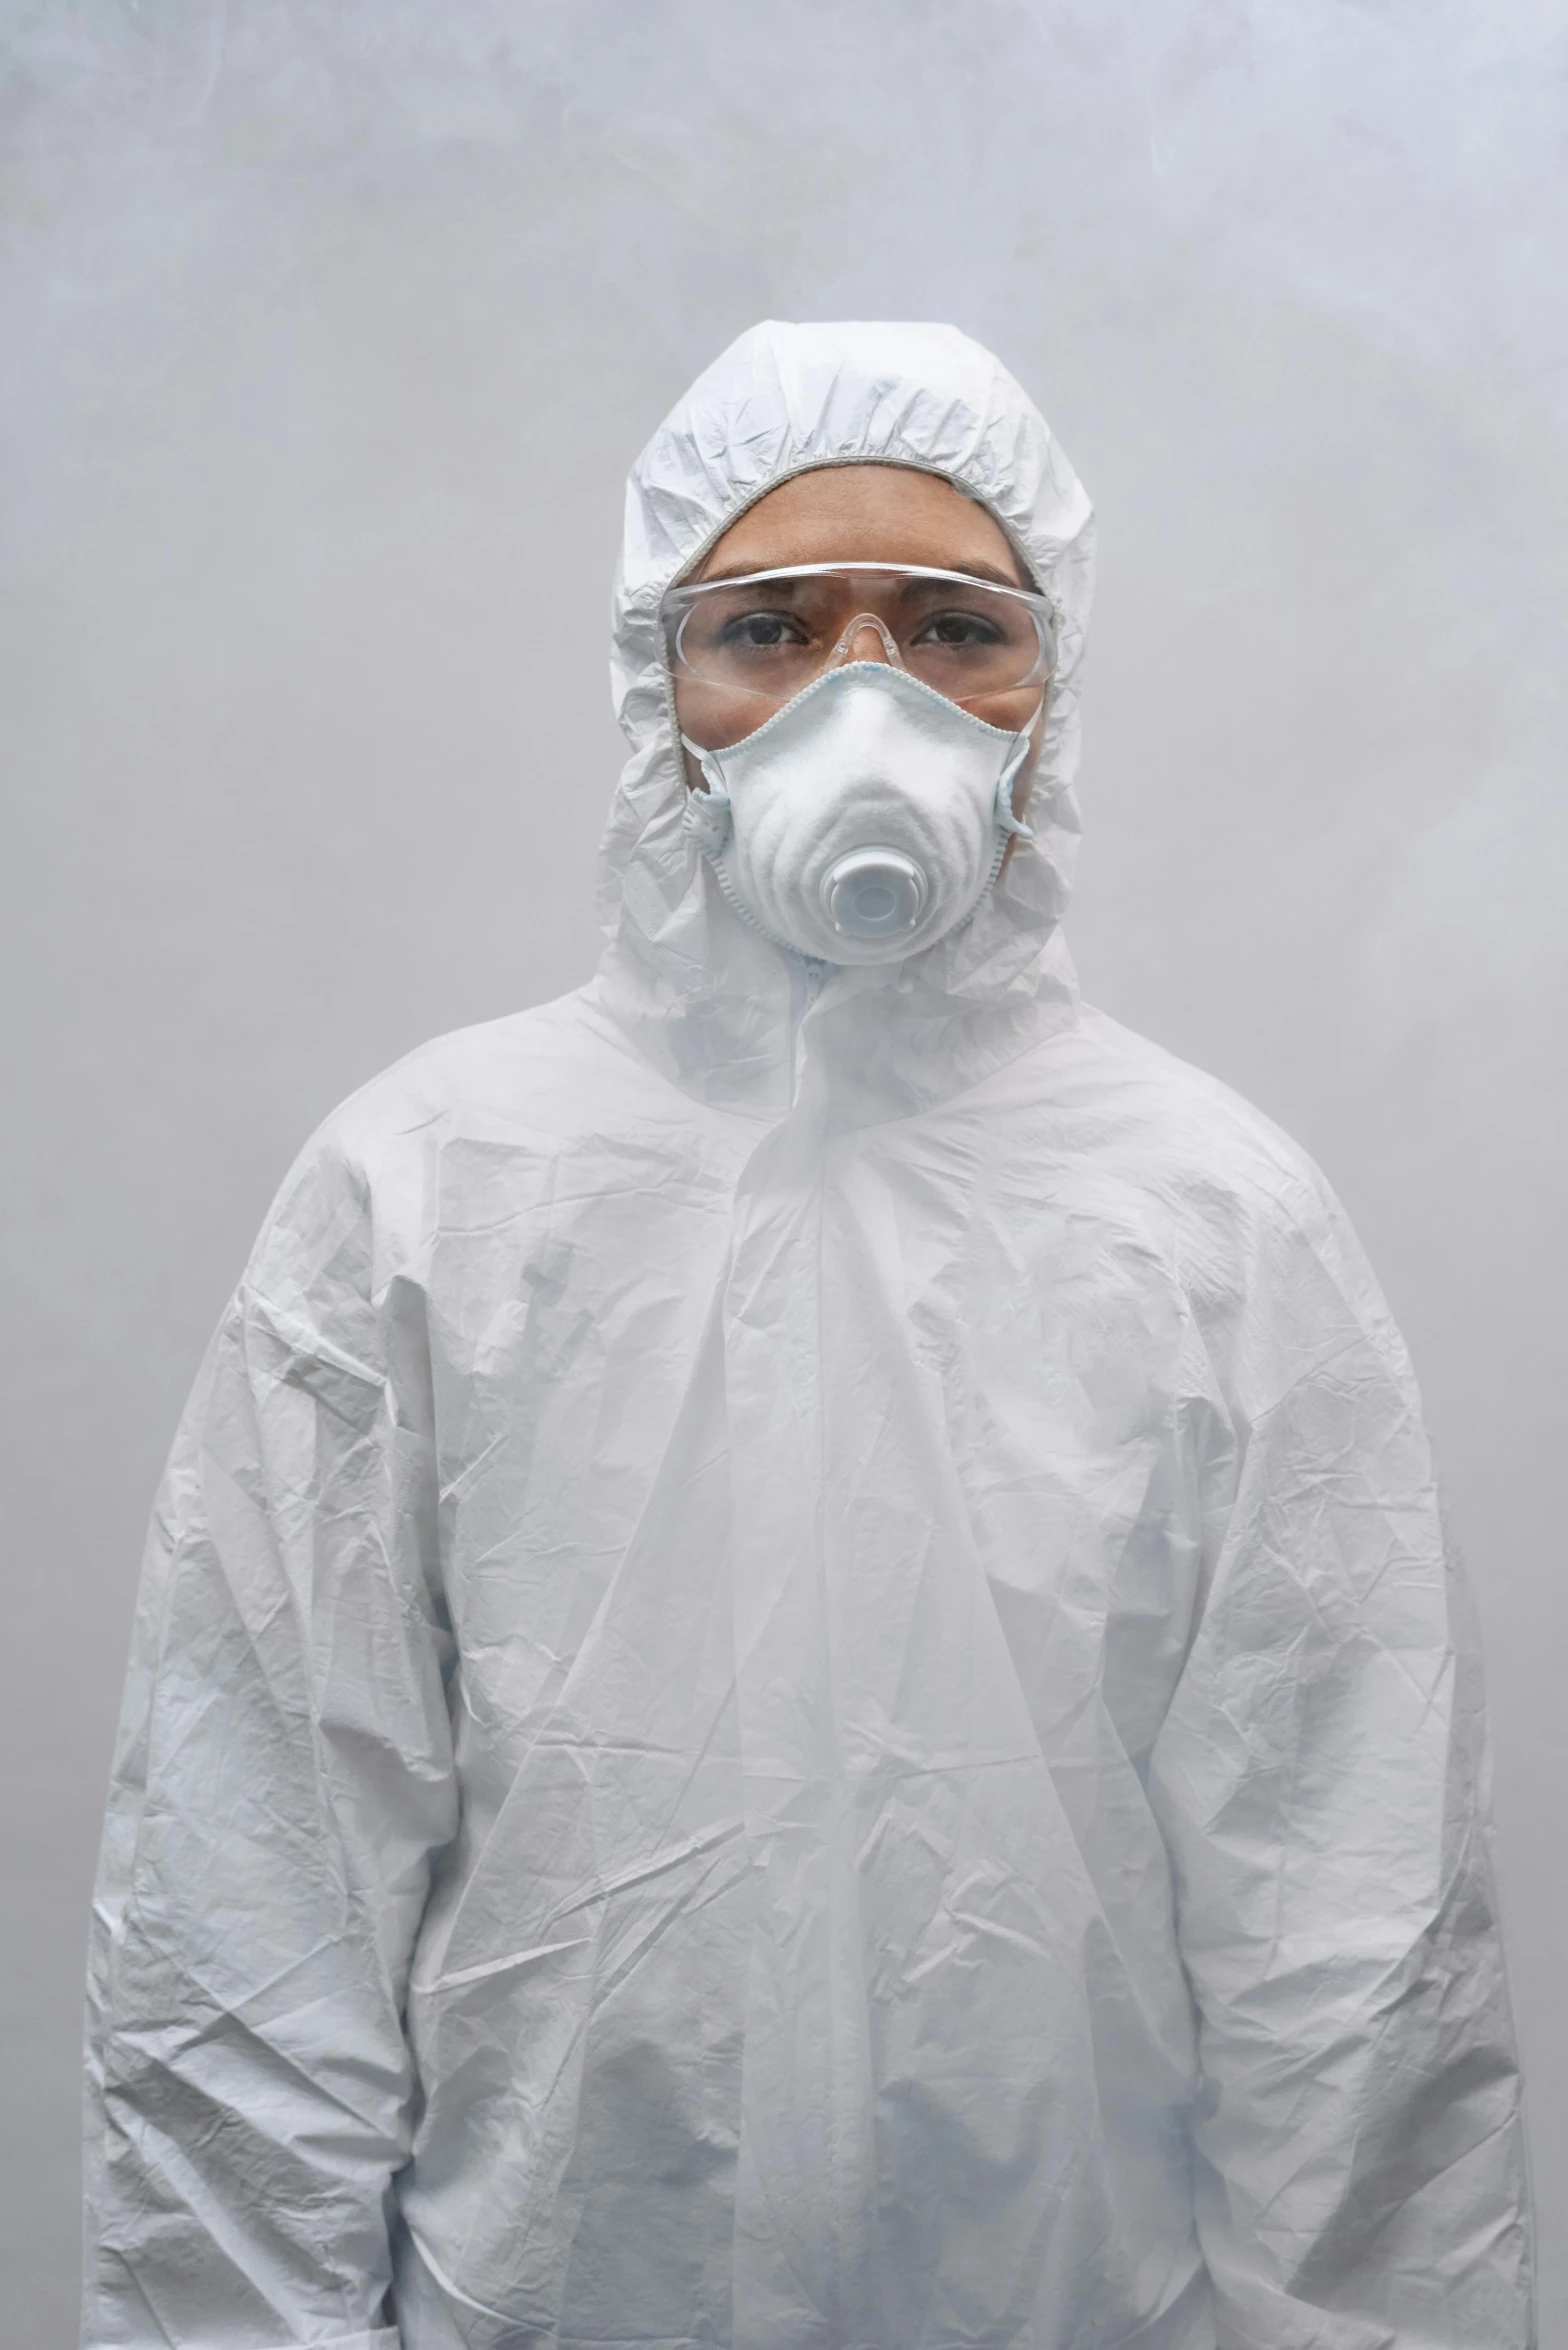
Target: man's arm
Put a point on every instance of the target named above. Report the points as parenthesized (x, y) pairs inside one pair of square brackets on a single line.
[(283, 1775), (1320, 1779)]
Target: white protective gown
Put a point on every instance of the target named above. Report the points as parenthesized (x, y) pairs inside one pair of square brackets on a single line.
[(797, 1684)]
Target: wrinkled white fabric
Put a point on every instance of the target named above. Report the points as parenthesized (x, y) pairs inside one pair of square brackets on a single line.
[(797, 1683), (868, 772)]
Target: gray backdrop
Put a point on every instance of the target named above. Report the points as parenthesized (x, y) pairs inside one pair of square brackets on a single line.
[(327, 329)]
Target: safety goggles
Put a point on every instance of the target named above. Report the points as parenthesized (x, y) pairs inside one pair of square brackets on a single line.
[(773, 632)]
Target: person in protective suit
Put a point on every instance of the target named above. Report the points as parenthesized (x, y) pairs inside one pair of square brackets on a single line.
[(797, 1682)]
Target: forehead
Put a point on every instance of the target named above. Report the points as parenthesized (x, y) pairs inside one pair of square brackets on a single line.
[(864, 514)]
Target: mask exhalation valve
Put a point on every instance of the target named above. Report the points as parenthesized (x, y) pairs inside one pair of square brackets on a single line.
[(874, 893)]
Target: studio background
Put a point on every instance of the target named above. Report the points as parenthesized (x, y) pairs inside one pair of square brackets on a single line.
[(327, 331)]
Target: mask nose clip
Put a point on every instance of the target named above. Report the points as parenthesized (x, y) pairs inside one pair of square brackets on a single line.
[(874, 893)]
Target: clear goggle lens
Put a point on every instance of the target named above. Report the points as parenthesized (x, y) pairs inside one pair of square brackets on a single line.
[(773, 632)]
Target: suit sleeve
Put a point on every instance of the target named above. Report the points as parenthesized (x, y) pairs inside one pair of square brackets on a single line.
[(282, 1780), (1360, 2168)]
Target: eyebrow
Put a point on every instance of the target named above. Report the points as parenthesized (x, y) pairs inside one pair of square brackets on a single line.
[(745, 570)]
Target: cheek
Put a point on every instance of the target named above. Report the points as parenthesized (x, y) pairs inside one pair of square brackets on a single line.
[(1011, 711), (714, 718)]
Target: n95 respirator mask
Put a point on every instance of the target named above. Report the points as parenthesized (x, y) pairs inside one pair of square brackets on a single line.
[(864, 820)]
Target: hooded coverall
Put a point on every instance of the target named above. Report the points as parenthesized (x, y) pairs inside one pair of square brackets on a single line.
[(797, 1683)]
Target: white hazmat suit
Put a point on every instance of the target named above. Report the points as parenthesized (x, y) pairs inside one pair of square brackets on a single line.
[(797, 1684)]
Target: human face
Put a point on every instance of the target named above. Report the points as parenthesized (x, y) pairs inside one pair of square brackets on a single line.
[(860, 514)]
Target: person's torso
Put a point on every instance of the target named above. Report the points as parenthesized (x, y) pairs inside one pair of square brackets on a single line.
[(822, 1520)]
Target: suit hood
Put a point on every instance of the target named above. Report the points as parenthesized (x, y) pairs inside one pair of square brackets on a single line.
[(718, 1006)]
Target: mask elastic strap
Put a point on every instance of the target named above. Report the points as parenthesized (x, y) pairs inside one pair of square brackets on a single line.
[(707, 814), (1006, 820)]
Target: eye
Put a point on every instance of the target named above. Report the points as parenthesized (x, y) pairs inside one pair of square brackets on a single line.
[(761, 632), (959, 630)]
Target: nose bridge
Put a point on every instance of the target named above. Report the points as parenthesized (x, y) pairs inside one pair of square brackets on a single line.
[(866, 638)]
